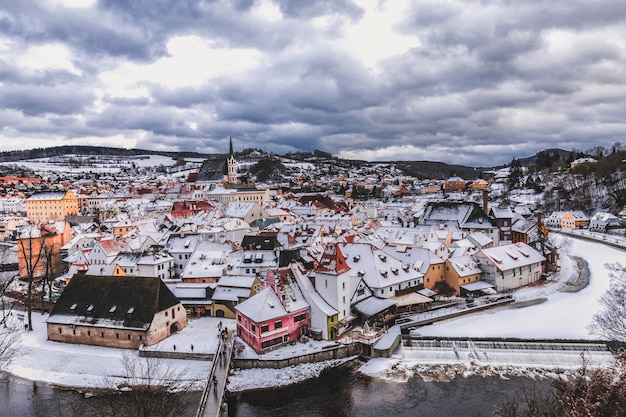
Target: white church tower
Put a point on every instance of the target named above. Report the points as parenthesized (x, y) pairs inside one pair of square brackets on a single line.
[(232, 165)]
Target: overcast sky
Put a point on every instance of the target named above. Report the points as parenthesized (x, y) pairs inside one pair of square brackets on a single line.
[(459, 81)]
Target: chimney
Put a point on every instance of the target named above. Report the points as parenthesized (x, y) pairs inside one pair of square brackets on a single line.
[(486, 202)]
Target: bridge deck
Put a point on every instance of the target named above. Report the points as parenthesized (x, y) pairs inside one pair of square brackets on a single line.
[(212, 402)]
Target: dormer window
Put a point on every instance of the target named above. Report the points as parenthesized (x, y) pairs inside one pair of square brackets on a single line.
[(73, 307), (90, 308), (112, 309), (383, 257), (356, 258), (394, 270), (130, 311), (383, 273)]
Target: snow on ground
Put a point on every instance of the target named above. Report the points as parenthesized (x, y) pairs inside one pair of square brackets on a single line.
[(556, 315), (561, 315), (83, 366), (104, 164), (257, 378)]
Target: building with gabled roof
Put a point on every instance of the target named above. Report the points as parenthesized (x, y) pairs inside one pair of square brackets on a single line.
[(232, 290), (603, 220), (332, 282), (115, 312), (510, 266), (462, 270), (384, 274), (276, 316), (51, 206), (467, 216)]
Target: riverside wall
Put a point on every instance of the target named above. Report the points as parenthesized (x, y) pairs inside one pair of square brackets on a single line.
[(339, 352)]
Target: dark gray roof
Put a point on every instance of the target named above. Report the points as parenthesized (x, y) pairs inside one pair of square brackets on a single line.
[(213, 170), (129, 302)]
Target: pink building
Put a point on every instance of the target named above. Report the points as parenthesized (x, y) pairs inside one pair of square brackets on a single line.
[(276, 316)]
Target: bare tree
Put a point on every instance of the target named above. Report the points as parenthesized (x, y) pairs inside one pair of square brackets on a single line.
[(52, 265), (610, 322), (9, 346), (151, 388), (594, 392), (6, 279), (33, 254)]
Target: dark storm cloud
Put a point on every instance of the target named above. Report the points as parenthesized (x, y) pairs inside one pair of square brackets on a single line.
[(37, 100), (314, 8), (478, 80)]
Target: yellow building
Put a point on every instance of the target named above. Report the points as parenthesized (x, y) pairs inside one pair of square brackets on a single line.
[(51, 206), (574, 219)]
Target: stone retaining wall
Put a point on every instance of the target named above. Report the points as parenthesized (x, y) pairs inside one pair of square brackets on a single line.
[(340, 352)]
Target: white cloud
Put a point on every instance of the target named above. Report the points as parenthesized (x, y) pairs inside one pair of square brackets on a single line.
[(376, 36), (72, 4), (191, 62), (46, 57)]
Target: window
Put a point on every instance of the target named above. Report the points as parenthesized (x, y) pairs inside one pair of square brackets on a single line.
[(60, 330), (265, 328), (253, 328), (88, 332), (239, 318), (300, 317), (278, 325), (129, 337)]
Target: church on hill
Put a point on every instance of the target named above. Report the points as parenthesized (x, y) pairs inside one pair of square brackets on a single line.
[(219, 180)]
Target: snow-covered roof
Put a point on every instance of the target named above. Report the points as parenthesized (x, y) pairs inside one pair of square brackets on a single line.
[(464, 265), (373, 305), (379, 269), (263, 306), (511, 256), (230, 293)]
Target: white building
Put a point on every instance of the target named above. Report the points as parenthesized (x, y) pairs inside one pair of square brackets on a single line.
[(510, 266)]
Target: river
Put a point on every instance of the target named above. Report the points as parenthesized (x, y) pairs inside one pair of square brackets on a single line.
[(20, 398), (342, 392), (339, 392)]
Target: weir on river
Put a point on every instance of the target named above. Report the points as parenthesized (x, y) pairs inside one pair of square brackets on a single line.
[(500, 352)]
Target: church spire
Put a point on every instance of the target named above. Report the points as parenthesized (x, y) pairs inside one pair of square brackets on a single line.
[(231, 164)]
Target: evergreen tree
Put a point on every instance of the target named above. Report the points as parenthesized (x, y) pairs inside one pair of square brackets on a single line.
[(515, 174)]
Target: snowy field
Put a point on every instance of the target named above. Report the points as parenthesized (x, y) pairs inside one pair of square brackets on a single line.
[(560, 316), (103, 164)]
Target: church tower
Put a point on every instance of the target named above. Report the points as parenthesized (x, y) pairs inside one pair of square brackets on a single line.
[(232, 165)]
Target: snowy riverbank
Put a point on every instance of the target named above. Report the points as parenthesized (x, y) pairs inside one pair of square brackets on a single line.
[(560, 315)]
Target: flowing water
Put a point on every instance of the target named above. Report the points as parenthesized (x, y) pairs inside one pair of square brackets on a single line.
[(341, 392)]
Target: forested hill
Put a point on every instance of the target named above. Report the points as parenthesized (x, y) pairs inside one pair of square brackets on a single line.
[(12, 156), (438, 170)]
